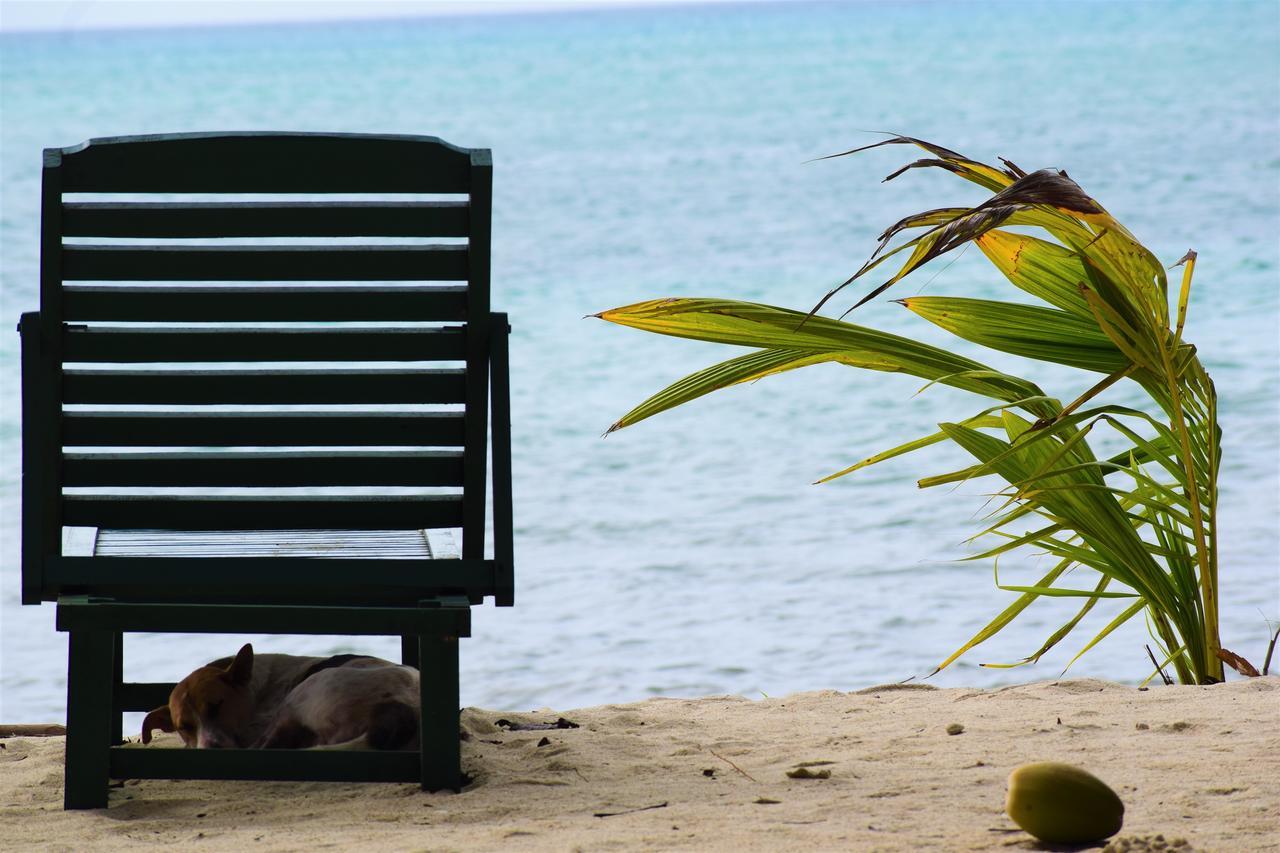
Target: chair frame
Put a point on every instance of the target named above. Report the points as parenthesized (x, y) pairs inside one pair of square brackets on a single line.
[(426, 602)]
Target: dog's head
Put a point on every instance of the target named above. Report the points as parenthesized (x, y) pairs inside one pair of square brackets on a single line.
[(211, 708)]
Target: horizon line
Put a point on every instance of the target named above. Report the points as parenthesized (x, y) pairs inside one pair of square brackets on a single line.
[(74, 18)]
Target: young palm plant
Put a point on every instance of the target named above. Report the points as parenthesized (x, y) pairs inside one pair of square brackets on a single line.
[(1143, 521)]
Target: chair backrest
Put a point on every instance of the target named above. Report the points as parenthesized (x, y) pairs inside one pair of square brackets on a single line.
[(228, 340)]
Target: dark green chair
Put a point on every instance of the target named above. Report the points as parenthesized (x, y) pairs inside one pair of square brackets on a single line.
[(225, 425)]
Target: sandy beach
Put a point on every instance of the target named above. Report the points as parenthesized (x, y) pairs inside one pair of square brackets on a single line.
[(1198, 764)]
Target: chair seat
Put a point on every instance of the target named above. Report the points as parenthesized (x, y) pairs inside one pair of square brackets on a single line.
[(318, 544)]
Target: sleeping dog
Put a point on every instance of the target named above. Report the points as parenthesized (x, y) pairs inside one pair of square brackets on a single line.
[(291, 702)]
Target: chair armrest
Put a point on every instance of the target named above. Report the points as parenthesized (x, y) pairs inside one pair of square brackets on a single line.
[(503, 523), (39, 511)]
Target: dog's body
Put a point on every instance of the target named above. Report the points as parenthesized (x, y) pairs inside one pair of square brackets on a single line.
[(291, 701)]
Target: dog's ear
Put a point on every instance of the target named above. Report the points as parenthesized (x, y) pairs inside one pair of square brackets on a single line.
[(160, 719), (241, 669)]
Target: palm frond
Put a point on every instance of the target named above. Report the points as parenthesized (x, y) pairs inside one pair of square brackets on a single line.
[(1144, 520)]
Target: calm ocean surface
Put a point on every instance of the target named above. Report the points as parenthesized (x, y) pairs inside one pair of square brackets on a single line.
[(646, 153)]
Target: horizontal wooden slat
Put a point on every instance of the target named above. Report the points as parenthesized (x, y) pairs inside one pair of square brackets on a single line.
[(143, 695), (266, 219), (444, 262), (261, 429), (263, 343), (169, 512), (265, 764), (337, 385), (302, 468), (292, 581), (250, 162), (300, 303)]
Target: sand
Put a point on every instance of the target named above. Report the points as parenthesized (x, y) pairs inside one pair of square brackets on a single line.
[(1199, 764)]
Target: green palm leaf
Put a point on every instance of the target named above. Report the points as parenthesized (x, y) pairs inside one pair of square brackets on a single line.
[(1144, 519), (1044, 334)]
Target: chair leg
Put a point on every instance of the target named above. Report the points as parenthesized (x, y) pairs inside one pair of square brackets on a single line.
[(440, 747), (117, 681), (409, 651), (90, 667)]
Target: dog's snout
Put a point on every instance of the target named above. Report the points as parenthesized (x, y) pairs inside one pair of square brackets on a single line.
[(216, 740)]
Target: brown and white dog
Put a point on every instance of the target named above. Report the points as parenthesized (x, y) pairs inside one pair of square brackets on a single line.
[(293, 702)]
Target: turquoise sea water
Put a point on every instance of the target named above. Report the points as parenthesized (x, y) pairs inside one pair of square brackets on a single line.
[(644, 153)]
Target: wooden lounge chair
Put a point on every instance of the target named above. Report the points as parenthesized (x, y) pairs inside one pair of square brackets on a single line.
[(218, 417)]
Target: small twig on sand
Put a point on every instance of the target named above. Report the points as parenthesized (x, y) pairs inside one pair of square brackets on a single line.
[(1167, 680), (734, 766), (630, 811)]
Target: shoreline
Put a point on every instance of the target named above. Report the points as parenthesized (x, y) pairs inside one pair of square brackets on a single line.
[(1194, 763)]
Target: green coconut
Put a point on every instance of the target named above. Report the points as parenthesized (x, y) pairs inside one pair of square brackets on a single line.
[(1062, 804)]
